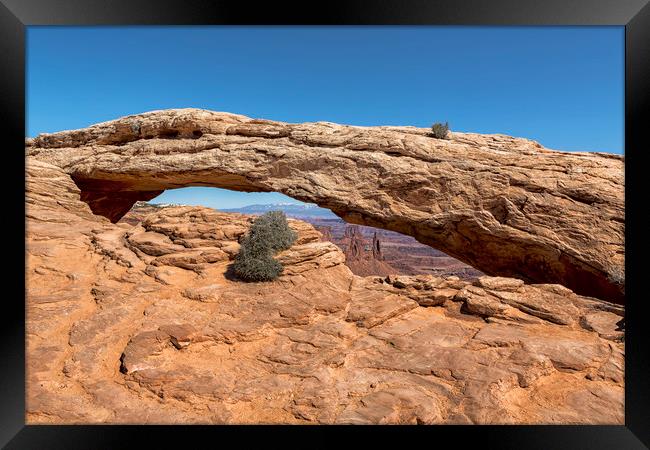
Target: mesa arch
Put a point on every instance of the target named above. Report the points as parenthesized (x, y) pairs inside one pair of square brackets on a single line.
[(505, 205)]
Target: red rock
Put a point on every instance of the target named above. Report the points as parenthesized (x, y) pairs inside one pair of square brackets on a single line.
[(113, 338)]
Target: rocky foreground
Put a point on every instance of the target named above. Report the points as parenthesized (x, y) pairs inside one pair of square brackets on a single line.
[(145, 324)]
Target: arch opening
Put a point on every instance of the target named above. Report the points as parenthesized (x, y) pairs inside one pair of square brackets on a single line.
[(369, 251), (459, 236)]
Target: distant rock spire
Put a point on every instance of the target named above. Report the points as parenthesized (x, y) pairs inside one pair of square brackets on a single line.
[(350, 231), (355, 243), (376, 248)]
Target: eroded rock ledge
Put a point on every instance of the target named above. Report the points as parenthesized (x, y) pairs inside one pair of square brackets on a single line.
[(505, 205)]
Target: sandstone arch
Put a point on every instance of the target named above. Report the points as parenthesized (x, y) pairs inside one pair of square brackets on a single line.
[(505, 205)]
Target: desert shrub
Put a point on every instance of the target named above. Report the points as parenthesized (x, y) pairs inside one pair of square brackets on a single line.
[(439, 130), (272, 228), (269, 234), (251, 266)]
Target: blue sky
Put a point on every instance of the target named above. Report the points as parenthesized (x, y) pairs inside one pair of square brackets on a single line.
[(562, 86)]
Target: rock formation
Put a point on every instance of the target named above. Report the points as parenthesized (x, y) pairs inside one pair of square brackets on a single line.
[(362, 258), (142, 323), (354, 243), (376, 248), (504, 205)]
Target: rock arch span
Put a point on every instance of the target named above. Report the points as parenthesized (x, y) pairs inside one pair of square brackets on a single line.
[(505, 205)]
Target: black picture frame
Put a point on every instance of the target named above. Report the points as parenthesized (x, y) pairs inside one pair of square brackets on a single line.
[(16, 15)]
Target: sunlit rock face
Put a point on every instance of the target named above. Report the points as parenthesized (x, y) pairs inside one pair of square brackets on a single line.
[(142, 322), (504, 205)]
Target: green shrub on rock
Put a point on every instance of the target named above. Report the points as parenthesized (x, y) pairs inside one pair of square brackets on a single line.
[(269, 234), (252, 266), (440, 130), (272, 228)]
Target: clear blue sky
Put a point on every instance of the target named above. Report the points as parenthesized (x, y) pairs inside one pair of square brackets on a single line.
[(562, 86)]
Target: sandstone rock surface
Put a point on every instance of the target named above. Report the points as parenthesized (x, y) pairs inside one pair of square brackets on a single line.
[(505, 205), (143, 323)]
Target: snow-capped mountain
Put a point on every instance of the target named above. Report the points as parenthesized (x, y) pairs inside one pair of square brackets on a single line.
[(297, 210)]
